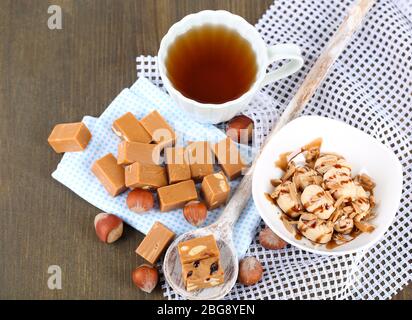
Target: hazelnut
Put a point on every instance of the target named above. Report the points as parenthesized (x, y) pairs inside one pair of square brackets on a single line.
[(145, 277), (139, 200), (240, 129), (195, 212), (250, 271), (108, 227), (269, 240)]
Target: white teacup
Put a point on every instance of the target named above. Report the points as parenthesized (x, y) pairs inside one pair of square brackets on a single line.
[(216, 113)]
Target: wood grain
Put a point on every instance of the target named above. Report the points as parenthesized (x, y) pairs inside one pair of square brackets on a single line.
[(48, 77)]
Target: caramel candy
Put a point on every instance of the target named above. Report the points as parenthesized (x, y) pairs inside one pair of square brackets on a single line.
[(145, 176), (69, 137), (155, 242), (202, 274), (110, 174), (176, 164), (130, 152), (160, 131), (176, 195), (215, 190), (200, 158), (229, 158), (129, 128), (198, 249)]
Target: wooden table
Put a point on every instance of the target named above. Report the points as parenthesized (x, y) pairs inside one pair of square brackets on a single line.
[(53, 76)]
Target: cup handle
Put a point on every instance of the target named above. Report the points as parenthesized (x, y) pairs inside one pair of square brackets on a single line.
[(283, 52)]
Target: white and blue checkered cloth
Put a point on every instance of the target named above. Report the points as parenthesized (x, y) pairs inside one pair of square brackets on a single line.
[(74, 170)]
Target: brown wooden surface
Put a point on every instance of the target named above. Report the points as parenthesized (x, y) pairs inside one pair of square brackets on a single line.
[(48, 77)]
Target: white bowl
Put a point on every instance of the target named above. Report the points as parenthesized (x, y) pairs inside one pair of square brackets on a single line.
[(363, 152)]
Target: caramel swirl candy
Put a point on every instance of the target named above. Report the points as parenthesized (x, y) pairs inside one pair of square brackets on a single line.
[(176, 195), (155, 242), (129, 128), (158, 128), (69, 137), (215, 190), (110, 174), (229, 158), (145, 176)]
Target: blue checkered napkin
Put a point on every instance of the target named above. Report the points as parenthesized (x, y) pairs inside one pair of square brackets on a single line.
[(74, 170)]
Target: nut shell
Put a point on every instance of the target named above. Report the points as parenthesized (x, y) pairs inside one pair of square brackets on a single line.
[(250, 271), (145, 277), (109, 228), (240, 129), (139, 200), (195, 212), (269, 240)]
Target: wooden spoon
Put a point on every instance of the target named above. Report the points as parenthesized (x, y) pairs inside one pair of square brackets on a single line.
[(222, 228)]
